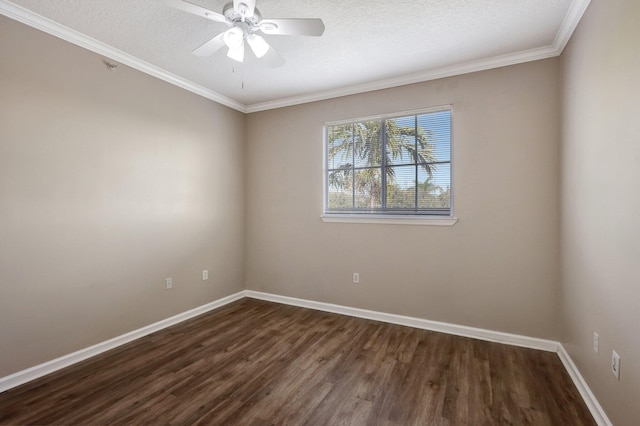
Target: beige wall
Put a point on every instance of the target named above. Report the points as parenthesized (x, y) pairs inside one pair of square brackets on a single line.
[(600, 288), (497, 268), (109, 182)]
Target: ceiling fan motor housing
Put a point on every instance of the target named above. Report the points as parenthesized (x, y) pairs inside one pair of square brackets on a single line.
[(236, 17)]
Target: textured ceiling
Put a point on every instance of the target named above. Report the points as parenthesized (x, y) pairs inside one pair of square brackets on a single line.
[(366, 44)]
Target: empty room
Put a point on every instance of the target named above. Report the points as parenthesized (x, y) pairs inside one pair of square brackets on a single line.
[(261, 212)]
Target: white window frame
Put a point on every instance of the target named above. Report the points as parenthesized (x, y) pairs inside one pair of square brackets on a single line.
[(391, 218)]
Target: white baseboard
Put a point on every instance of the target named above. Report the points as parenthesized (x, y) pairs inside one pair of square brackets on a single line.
[(589, 398), (443, 327), (459, 330), (48, 367), (40, 370)]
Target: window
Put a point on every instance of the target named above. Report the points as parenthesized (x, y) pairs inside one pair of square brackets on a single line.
[(391, 165)]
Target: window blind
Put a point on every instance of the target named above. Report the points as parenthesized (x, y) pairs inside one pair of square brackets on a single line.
[(397, 165)]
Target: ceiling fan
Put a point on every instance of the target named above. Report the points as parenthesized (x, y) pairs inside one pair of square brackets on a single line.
[(245, 23)]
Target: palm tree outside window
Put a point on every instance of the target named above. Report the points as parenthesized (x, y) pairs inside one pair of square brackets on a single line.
[(397, 165)]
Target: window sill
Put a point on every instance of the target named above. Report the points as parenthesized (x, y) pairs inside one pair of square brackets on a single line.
[(390, 220)]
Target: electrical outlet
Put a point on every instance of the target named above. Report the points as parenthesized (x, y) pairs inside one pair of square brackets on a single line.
[(356, 278), (596, 342), (205, 274), (168, 283), (615, 364)]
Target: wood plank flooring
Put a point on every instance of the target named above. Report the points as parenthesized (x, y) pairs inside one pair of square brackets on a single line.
[(259, 363)]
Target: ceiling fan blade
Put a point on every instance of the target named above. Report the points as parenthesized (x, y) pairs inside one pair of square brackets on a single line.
[(211, 46), (247, 9), (273, 58), (196, 10), (293, 26)]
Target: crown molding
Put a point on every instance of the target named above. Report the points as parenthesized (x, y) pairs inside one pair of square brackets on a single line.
[(432, 74), (48, 26), (568, 26)]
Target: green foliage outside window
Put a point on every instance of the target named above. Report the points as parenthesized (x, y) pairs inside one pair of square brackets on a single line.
[(393, 165)]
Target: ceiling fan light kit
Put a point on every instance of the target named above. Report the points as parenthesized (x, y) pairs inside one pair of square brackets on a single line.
[(236, 53), (245, 21), (233, 37), (258, 44)]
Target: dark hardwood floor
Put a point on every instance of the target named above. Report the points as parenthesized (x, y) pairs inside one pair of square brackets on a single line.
[(259, 363)]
